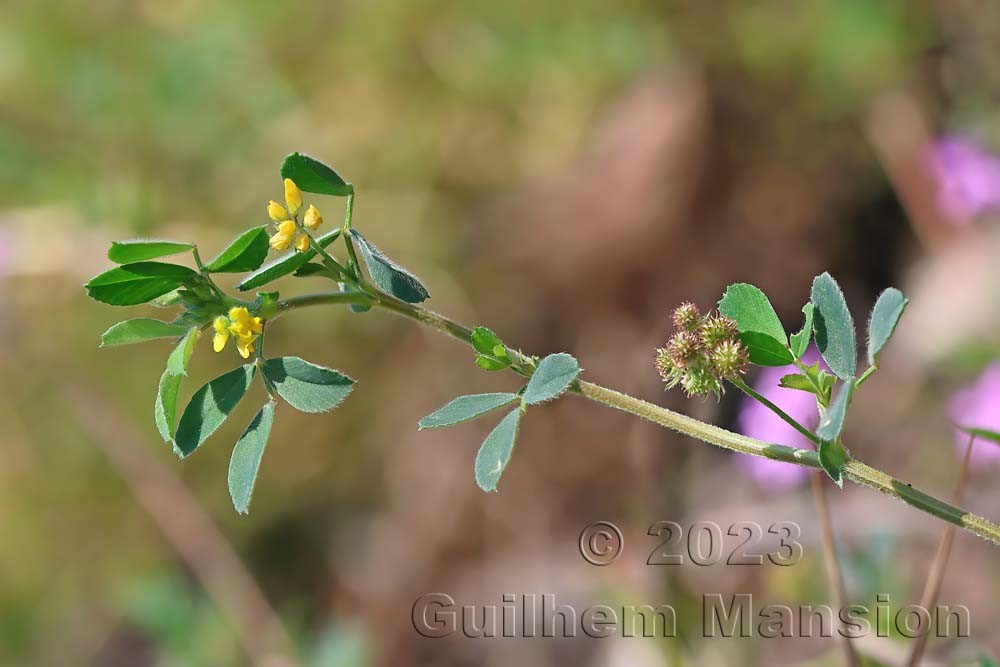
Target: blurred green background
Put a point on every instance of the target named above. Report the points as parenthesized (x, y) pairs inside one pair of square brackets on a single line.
[(563, 172)]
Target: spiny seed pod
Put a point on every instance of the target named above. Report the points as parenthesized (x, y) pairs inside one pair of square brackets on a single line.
[(729, 359), (663, 363), (684, 347), (687, 317), (716, 330), (700, 381), (667, 369)]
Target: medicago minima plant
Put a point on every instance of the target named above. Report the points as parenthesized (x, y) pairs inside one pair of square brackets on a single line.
[(703, 355)]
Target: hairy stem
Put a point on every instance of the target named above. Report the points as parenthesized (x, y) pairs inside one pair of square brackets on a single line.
[(854, 470)]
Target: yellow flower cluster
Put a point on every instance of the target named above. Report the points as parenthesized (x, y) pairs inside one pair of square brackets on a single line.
[(240, 325), (289, 233)]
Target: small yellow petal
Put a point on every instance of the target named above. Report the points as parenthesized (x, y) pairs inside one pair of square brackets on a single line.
[(220, 324), (287, 227), (245, 350), (281, 241), (293, 196), (239, 313), (302, 243), (257, 326), (276, 211), (312, 218), (220, 340)]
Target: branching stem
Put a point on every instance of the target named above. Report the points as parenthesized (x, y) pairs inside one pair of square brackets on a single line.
[(854, 470)]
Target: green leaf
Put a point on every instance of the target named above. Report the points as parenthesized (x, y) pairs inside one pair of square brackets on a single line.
[(491, 364), (284, 265), (245, 462), (351, 288), (492, 352), (885, 316), (485, 341), (140, 330), (177, 362), (766, 351), (759, 326), (209, 407), (168, 300), (495, 452), (137, 250), (464, 408), (389, 276), (800, 340), (314, 269), (985, 433), (554, 375), (797, 381), (834, 327), (246, 253), (307, 387), (311, 175), (831, 419), (813, 380), (137, 283), (833, 456), (165, 407)]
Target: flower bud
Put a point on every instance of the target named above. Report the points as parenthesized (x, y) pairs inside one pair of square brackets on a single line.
[(302, 242), (281, 241), (276, 211), (293, 196), (312, 218)]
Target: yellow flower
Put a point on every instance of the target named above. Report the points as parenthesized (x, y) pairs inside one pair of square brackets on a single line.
[(302, 242), (293, 196), (242, 321), (277, 211), (312, 218), (282, 240), (242, 326), (221, 325), (245, 346)]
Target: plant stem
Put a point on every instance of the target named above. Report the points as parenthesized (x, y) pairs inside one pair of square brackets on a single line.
[(833, 572), (936, 576), (205, 274), (349, 242), (749, 391), (328, 260), (854, 470), (867, 374), (321, 299)]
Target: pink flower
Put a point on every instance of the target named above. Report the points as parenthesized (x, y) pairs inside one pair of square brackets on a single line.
[(968, 178), (757, 421), (978, 406)]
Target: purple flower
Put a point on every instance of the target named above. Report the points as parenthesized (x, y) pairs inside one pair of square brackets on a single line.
[(757, 421), (968, 178), (978, 406)]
